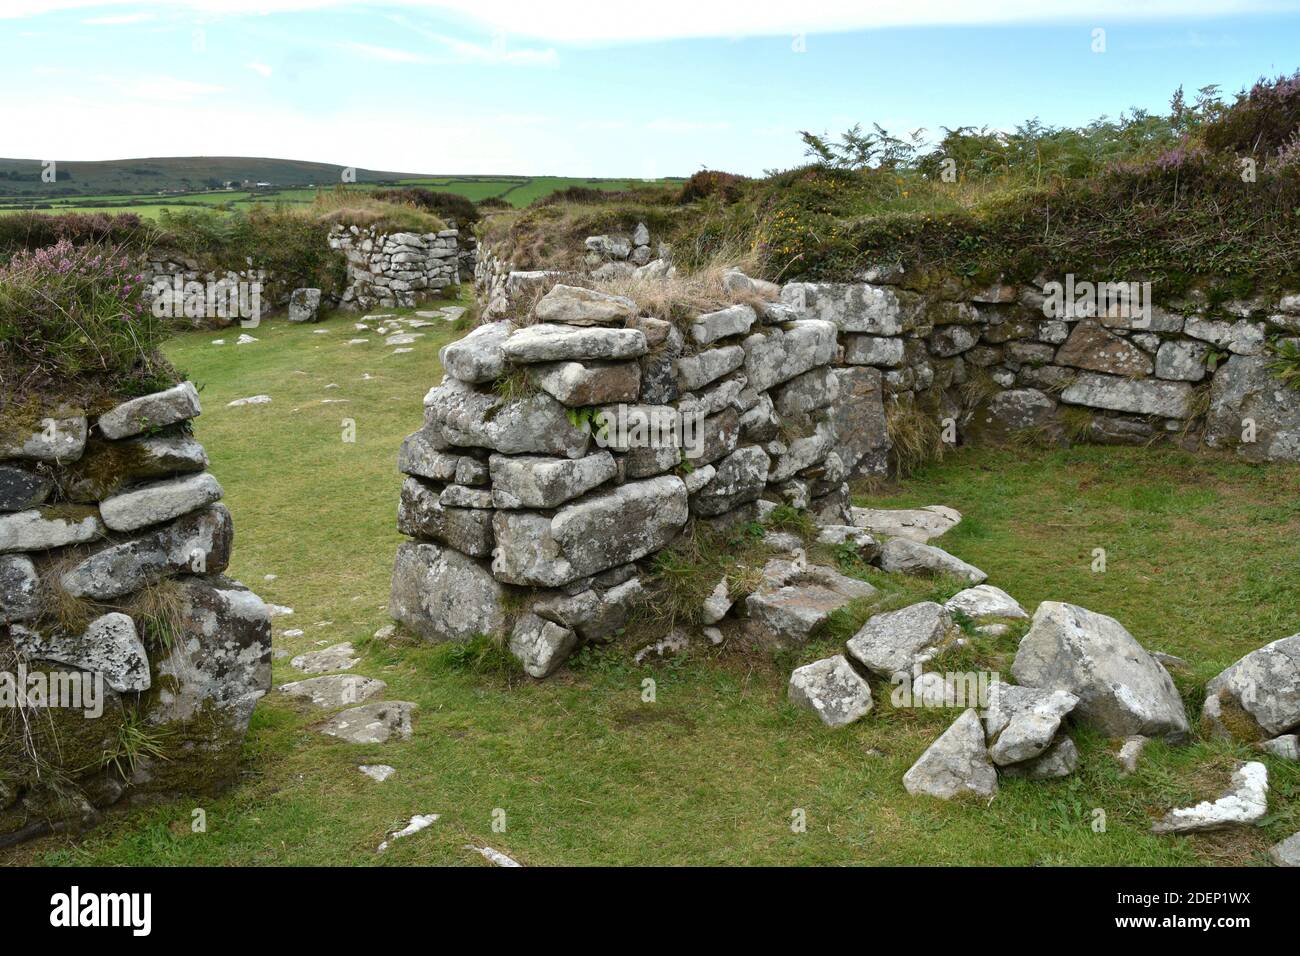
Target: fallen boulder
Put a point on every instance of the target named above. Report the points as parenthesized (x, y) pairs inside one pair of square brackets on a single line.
[(1122, 689), (957, 764)]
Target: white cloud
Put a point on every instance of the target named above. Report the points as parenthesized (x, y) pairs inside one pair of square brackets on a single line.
[(261, 69), (387, 54), (599, 21), (114, 21)]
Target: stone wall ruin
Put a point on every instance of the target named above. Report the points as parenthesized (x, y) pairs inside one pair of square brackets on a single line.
[(113, 608)]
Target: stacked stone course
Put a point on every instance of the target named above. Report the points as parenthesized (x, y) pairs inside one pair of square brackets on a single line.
[(395, 270), (529, 518), (102, 513)]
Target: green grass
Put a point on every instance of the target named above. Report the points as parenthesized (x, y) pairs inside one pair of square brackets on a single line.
[(1200, 555), (517, 190)]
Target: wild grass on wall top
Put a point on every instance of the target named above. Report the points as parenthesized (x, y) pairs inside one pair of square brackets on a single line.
[(74, 328)]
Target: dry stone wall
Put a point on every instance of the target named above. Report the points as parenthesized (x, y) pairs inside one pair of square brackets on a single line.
[(395, 270), (1006, 361), (129, 666), (556, 458)]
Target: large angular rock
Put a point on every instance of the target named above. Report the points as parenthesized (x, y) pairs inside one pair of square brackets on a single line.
[(805, 451), (21, 489), (424, 453), (41, 529), (562, 343), (373, 723), (862, 439), (807, 393), (711, 326), (1015, 412), (737, 479), (536, 425), (577, 306), (107, 467), (1139, 397), (58, 439), (795, 600), (873, 350), (19, 589), (1122, 689), (540, 645), (533, 481), (304, 305), (159, 501), (831, 689), (698, 370), (1092, 347), (1242, 337), (590, 535), (336, 657), (950, 340), (1021, 722), (109, 646), (1181, 361), (200, 542), (421, 514), (576, 384), (526, 551), (443, 595), (918, 524), (334, 690), (621, 525), (218, 664), (900, 555), (717, 438), (776, 356), (856, 307), (1244, 804), (955, 765), (1285, 747), (1259, 695), (1252, 412), (176, 404), (985, 601), (1059, 760), (596, 614), (897, 642), (1287, 852), (479, 356)]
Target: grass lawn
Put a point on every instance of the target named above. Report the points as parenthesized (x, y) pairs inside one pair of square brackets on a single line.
[(1201, 558)]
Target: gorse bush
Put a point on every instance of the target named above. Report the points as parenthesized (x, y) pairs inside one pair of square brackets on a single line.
[(73, 324), (446, 205)]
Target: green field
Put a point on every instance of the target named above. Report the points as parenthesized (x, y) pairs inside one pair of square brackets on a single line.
[(1200, 561), (517, 190)]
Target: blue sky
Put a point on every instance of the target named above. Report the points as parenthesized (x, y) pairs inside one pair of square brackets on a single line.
[(587, 88)]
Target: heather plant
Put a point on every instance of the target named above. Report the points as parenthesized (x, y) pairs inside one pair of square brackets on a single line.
[(73, 322)]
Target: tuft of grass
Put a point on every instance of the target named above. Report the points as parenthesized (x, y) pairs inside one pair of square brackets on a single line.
[(1076, 422), (159, 609), (135, 741), (1285, 364), (916, 435)]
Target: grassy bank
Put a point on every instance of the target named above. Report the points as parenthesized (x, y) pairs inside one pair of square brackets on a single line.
[(1199, 564)]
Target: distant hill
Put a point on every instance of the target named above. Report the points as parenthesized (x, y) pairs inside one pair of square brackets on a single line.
[(117, 177)]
